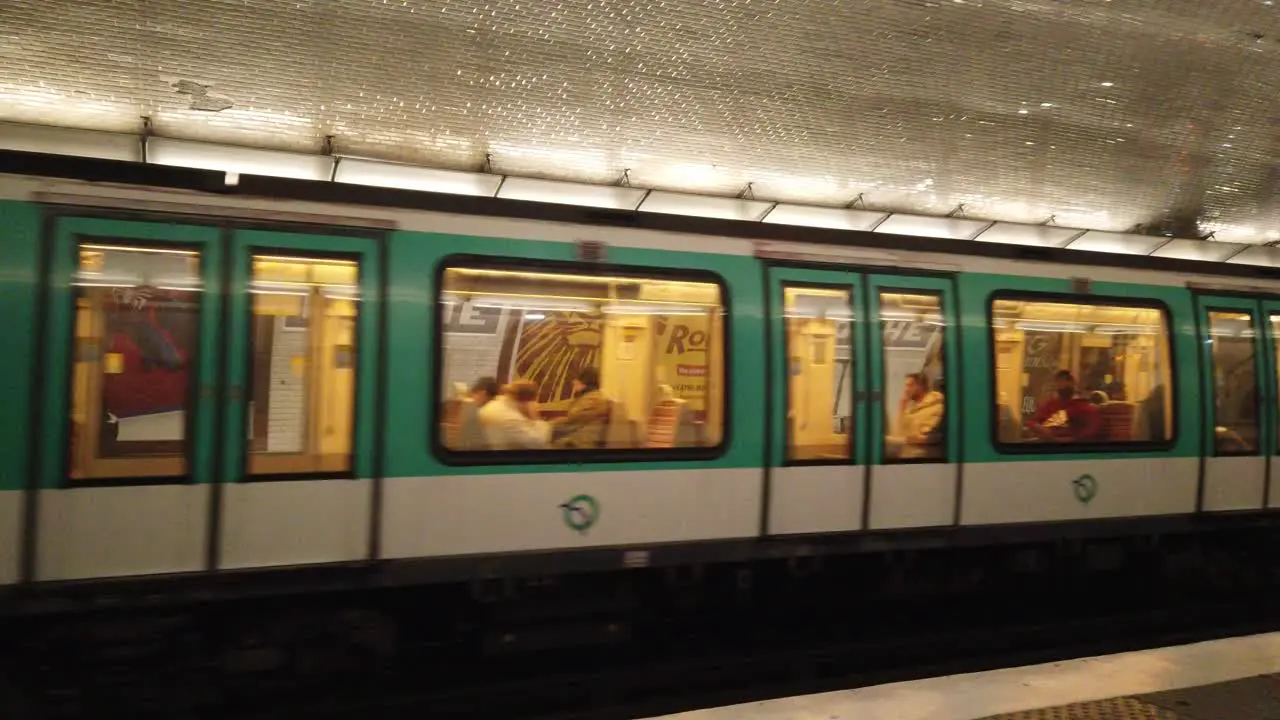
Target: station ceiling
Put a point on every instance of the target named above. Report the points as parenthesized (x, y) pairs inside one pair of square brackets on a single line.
[(1102, 114)]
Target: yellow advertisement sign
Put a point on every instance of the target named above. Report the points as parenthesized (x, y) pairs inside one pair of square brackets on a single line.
[(682, 357)]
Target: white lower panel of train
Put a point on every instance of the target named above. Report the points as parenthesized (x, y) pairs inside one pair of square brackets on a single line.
[(816, 499), (116, 531), (151, 530), (1234, 483), (11, 507), (121, 531), (1038, 491), (295, 522), (467, 514)]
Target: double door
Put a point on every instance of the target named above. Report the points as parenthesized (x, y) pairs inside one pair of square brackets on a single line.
[(1241, 428), (207, 398), (864, 375)]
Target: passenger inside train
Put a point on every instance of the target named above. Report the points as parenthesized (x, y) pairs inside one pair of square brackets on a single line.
[(918, 433), (512, 420), (1065, 416), (913, 332), (583, 424), (1043, 348)]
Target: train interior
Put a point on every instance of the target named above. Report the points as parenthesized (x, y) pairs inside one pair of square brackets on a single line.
[(1118, 355), (657, 345)]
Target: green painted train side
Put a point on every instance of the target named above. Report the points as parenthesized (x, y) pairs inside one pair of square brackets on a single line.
[(19, 277), (976, 291), (416, 258), (415, 261)]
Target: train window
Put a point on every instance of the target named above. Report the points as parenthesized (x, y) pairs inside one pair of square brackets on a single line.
[(557, 361), (1275, 339), (912, 329), (302, 374), (137, 320), (1081, 372), (819, 344), (1235, 383)]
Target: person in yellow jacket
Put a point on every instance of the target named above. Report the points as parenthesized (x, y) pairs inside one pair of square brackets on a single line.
[(920, 414)]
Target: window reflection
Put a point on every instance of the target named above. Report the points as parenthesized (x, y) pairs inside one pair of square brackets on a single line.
[(912, 328), (819, 345), (303, 375), (137, 324), (538, 360), (1275, 339), (1235, 386), (1081, 373)]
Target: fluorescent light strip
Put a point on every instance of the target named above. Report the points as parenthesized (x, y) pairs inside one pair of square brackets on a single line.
[(306, 260), (130, 248), (361, 171)]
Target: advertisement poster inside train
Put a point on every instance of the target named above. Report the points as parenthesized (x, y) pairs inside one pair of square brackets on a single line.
[(550, 349), (682, 358), (473, 340), (1041, 359), (148, 341)]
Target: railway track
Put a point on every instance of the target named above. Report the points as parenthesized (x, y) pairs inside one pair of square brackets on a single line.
[(603, 688), (722, 643)]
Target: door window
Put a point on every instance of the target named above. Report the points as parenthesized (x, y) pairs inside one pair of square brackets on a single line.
[(1235, 383), (137, 326), (913, 330), (302, 371), (818, 323)]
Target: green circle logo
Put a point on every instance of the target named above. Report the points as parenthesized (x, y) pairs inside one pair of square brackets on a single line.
[(1085, 488), (580, 513)]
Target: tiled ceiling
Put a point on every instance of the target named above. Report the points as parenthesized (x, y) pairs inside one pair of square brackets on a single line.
[(1101, 113)]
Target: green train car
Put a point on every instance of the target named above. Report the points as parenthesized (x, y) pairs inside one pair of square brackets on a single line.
[(198, 383)]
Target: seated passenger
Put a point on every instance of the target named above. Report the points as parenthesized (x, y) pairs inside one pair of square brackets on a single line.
[(583, 425), (511, 422), (485, 390), (470, 434), (920, 413), (1065, 417)]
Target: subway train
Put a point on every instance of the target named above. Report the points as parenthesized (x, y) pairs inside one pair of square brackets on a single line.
[(203, 380)]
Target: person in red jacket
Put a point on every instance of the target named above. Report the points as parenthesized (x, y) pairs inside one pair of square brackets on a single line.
[(1063, 417)]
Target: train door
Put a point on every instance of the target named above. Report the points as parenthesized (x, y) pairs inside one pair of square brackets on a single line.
[(817, 482), (299, 428), (1271, 351), (127, 415), (1238, 402), (913, 432)]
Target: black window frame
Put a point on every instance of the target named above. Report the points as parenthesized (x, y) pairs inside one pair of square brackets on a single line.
[(1120, 448), (554, 456), (1274, 351)]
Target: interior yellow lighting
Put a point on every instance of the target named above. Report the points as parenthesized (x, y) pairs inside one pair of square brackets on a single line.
[(576, 278), (130, 248)]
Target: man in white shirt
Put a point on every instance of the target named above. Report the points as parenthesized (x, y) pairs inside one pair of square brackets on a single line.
[(511, 422)]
